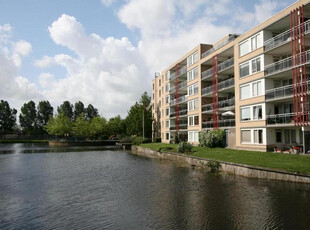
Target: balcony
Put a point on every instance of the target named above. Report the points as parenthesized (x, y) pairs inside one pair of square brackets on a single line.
[(180, 86), (182, 126), (222, 104), (221, 67), (179, 100), (181, 113), (284, 37), (222, 85), (210, 51), (280, 92), (285, 64), (181, 71), (280, 119), (222, 123)]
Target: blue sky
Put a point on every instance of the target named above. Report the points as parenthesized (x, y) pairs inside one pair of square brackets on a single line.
[(105, 52)]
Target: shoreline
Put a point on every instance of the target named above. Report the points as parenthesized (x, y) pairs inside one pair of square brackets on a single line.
[(226, 167)]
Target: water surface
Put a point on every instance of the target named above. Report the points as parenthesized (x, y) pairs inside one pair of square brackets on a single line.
[(93, 188)]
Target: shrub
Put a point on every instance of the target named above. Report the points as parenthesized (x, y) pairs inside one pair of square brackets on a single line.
[(176, 139), (212, 139), (137, 140), (185, 147), (214, 166), (157, 140), (164, 149)]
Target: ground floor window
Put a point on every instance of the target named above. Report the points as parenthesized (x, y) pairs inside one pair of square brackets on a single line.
[(167, 136), (252, 136), (193, 136), (278, 136)]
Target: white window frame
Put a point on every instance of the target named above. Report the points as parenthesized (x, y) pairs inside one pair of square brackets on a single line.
[(192, 104), (252, 138), (192, 74), (249, 44), (257, 69), (193, 136), (191, 120), (167, 133), (167, 99), (168, 113), (192, 59), (167, 124), (192, 89), (252, 112), (167, 87), (251, 84)]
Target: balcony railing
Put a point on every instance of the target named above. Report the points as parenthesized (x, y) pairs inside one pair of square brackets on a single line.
[(222, 85), (222, 104), (182, 126), (180, 100), (284, 37), (181, 113), (208, 52), (181, 71), (279, 119), (180, 86), (221, 67), (222, 123), (285, 64)]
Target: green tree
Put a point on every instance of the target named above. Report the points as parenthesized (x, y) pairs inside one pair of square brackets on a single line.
[(7, 118), (44, 112), (98, 127), (60, 125), (134, 120), (78, 109), (28, 118), (81, 126), (91, 112), (67, 109), (116, 126)]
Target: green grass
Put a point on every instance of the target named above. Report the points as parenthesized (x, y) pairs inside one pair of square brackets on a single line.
[(287, 162), (23, 141)]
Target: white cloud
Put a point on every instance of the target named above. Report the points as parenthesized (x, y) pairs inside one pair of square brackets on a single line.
[(44, 62), (107, 2)]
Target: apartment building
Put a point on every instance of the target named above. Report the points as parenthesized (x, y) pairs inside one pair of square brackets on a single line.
[(255, 86)]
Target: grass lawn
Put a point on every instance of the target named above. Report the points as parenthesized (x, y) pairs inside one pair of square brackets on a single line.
[(288, 162)]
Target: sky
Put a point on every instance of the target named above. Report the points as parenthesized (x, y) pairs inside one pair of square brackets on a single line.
[(105, 52)]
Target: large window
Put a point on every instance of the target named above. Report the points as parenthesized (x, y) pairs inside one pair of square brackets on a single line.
[(192, 59), (251, 66), (167, 87), (167, 136), (192, 104), (168, 99), (193, 136), (192, 74), (192, 89), (246, 136), (193, 120), (252, 136), (258, 136), (250, 44), (253, 112), (167, 123), (167, 111), (252, 89)]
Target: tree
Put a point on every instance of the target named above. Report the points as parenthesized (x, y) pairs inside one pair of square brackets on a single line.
[(28, 118), (81, 126), (7, 118), (44, 112), (78, 109), (116, 126), (134, 120), (60, 125), (67, 109), (91, 112), (98, 127)]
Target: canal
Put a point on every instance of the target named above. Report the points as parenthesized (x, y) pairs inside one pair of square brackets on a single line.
[(94, 188)]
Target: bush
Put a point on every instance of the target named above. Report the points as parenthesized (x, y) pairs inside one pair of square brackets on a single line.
[(137, 140), (214, 166), (185, 147), (176, 139), (157, 140), (164, 149), (212, 139)]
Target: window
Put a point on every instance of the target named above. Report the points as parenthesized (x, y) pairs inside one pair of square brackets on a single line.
[(167, 136), (244, 69), (245, 92), (160, 93), (254, 43), (167, 87), (159, 82), (192, 89), (192, 104), (167, 99), (246, 114), (252, 89), (278, 136), (256, 65), (193, 136), (193, 120), (257, 112), (258, 136), (167, 123), (167, 75), (192, 59), (192, 74), (167, 111), (244, 48), (245, 136)]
